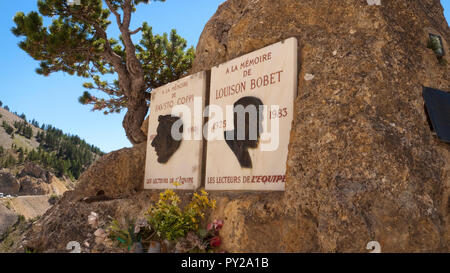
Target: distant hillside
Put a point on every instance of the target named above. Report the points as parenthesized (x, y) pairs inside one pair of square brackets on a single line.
[(26, 141)]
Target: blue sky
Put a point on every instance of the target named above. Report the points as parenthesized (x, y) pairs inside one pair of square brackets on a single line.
[(54, 99)]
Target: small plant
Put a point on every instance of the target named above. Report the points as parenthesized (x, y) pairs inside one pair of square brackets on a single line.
[(171, 222), (206, 240), (30, 250), (21, 218), (166, 222), (53, 199), (435, 44), (8, 204), (125, 237)]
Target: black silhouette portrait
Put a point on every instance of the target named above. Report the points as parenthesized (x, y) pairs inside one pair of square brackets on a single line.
[(247, 127), (164, 143)]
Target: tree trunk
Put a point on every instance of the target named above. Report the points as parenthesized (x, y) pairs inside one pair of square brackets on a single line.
[(133, 120)]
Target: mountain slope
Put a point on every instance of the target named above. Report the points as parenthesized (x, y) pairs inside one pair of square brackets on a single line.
[(6, 140), (22, 141)]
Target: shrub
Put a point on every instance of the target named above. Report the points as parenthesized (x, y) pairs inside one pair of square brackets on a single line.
[(8, 128), (435, 45), (166, 220), (126, 237), (171, 222)]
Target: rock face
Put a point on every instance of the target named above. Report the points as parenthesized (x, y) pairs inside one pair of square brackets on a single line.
[(36, 171), (32, 180), (34, 186), (362, 165), (8, 184), (7, 218), (117, 174)]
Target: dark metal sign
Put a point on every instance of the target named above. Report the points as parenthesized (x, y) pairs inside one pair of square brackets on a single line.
[(437, 103)]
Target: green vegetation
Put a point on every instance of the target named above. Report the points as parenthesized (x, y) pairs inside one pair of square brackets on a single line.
[(66, 154), (7, 160), (125, 237), (23, 129), (166, 220), (434, 43), (63, 153), (8, 128), (10, 240), (8, 205), (10, 161), (171, 222), (78, 42)]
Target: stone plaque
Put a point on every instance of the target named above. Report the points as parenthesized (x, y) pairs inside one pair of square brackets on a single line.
[(175, 143), (250, 116)]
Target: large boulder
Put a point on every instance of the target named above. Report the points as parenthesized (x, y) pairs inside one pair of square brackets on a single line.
[(8, 184), (362, 164), (7, 219), (117, 174), (36, 171)]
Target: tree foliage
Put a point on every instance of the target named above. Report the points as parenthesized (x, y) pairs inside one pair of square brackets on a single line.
[(76, 42), (23, 129), (8, 128), (66, 154), (63, 153)]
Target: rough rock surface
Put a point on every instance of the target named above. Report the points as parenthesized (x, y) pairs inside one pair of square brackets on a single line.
[(30, 206), (7, 218), (32, 180), (362, 165), (35, 171), (8, 184), (34, 186), (117, 174)]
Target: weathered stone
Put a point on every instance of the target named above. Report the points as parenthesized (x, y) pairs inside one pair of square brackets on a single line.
[(116, 174), (8, 184), (144, 126), (34, 186), (7, 218), (35, 171), (362, 165)]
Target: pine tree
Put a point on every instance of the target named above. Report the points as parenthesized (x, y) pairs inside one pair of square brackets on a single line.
[(8, 128), (21, 156), (77, 42), (10, 161)]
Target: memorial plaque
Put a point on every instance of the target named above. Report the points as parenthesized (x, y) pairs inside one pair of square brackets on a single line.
[(250, 116), (175, 143)]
